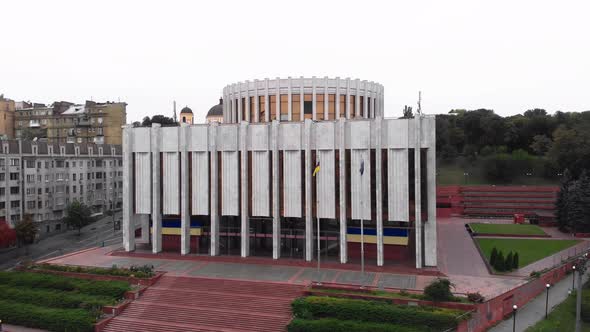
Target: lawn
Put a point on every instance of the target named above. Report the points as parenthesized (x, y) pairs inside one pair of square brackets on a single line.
[(562, 318), (473, 174), (508, 229), (529, 250)]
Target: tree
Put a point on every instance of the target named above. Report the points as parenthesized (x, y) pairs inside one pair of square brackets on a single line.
[(408, 114), (508, 263), (147, 122), (541, 144), (26, 231), (439, 290), (515, 261), (500, 262), (136, 124), (493, 256), (77, 215)]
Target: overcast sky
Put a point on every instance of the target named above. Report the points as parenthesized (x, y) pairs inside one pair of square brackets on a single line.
[(509, 56)]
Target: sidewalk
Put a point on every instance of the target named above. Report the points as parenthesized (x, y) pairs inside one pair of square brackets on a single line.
[(534, 311)]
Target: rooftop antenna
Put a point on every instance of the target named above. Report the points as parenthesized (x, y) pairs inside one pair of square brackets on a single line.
[(419, 103), (174, 117)]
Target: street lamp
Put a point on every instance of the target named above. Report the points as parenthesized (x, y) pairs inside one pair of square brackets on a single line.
[(573, 277), (514, 309), (547, 286)]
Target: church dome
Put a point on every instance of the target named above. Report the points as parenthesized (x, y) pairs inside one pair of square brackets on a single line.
[(186, 110), (216, 110)]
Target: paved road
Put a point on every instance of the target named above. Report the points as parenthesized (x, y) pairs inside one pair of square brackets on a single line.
[(534, 311), (91, 236)]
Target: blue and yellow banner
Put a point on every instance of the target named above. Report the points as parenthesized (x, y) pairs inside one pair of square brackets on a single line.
[(172, 227), (397, 236)]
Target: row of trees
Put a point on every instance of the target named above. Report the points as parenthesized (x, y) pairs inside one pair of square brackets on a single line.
[(535, 140), (503, 263), (573, 203)]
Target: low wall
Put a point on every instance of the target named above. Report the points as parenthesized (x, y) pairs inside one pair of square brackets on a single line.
[(131, 280)]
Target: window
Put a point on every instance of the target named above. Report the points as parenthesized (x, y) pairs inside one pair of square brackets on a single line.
[(30, 191), (14, 204), (59, 189), (81, 189), (30, 178), (59, 163), (39, 191), (14, 162), (2, 177), (67, 164), (39, 178), (74, 189), (30, 164), (74, 176), (99, 175), (57, 227), (47, 190), (39, 164), (307, 107), (46, 164), (73, 164), (14, 190), (2, 191), (59, 176), (14, 176), (2, 205), (30, 204)]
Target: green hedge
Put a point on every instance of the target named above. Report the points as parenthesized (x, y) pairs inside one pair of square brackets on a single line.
[(335, 325), (53, 298), (114, 289), (145, 271), (585, 314), (58, 320), (314, 307)]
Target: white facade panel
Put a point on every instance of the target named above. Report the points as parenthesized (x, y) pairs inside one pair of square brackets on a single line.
[(230, 191), (260, 184), (200, 183), (199, 138), (258, 137), (292, 184), (141, 140), (143, 182), (326, 185), (171, 183), (360, 186), (169, 139), (398, 185)]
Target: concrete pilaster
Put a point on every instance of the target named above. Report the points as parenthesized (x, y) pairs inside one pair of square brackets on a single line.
[(239, 101), (128, 221), (245, 221), (365, 100), (417, 191), (266, 102), (313, 99), (256, 103), (342, 179), (378, 188), (276, 225), (185, 218), (301, 101), (347, 100), (290, 101), (326, 104), (308, 201), (156, 197), (214, 233), (145, 227), (430, 238), (357, 100), (337, 99), (278, 99), (247, 101)]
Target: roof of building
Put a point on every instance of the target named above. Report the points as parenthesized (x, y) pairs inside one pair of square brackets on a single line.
[(74, 109), (216, 110), (186, 110)]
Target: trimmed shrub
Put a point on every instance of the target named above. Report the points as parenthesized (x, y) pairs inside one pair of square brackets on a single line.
[(493, 256), (508, 263), (439, 290), (500, 262), (336, 325), (59, 320), (475, 297), (114, 289), (515, 261), (53, 298), (138, 271), (435, 319)]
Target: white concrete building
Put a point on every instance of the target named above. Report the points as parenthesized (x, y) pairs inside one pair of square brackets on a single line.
[(246, 187), (41, 179)]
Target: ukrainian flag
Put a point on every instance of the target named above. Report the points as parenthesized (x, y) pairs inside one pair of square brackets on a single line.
[(397, 236), (172, 227), (316, 170)]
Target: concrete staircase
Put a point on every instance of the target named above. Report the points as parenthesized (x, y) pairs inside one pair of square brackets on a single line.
[(200, 304)]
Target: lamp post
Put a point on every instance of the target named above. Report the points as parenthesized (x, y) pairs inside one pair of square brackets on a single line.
[(514, 309), (547, 286), (573, 277)]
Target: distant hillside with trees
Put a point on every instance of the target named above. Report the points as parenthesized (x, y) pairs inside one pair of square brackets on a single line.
[(479, 146)]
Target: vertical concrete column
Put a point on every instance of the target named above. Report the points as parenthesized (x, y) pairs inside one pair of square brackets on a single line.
[(128, 220), (430, 226), (365, 99), (224, 104), (342, 179), (357, 98), (347, 101), (417, 190), (156, 197), (145, 228), (290, 101), (373, 96), (337, 98), (214, 214), (266, 102), (301, 101), (308, 201), (326, 104), (313, 99), (382, 108), (185, 217), (276, 225), (278, 98), (245, 221), (247, 101), (256, 103), (378, 188), (239, 102)]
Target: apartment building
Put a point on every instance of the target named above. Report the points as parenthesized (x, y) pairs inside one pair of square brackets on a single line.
[(65, 122), (41, 179), (7, 107)]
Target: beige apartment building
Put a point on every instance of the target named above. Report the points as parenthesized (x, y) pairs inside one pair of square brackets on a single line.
[(65, 122), (6, 117)]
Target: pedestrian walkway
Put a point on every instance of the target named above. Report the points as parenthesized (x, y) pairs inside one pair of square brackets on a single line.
[(534, 311)]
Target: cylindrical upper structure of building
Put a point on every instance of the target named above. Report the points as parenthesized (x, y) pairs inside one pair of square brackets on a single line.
[(302, 98)]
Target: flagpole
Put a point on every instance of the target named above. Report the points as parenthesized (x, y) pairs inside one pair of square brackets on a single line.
[(362, 236), (319, 281)]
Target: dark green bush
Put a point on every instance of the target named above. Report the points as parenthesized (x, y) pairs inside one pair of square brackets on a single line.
[(58, 320), (439, 290), (114, 289), (138, 271), (585, 314), (336, 325), (493, 256), (53, 298), (314, 307)]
